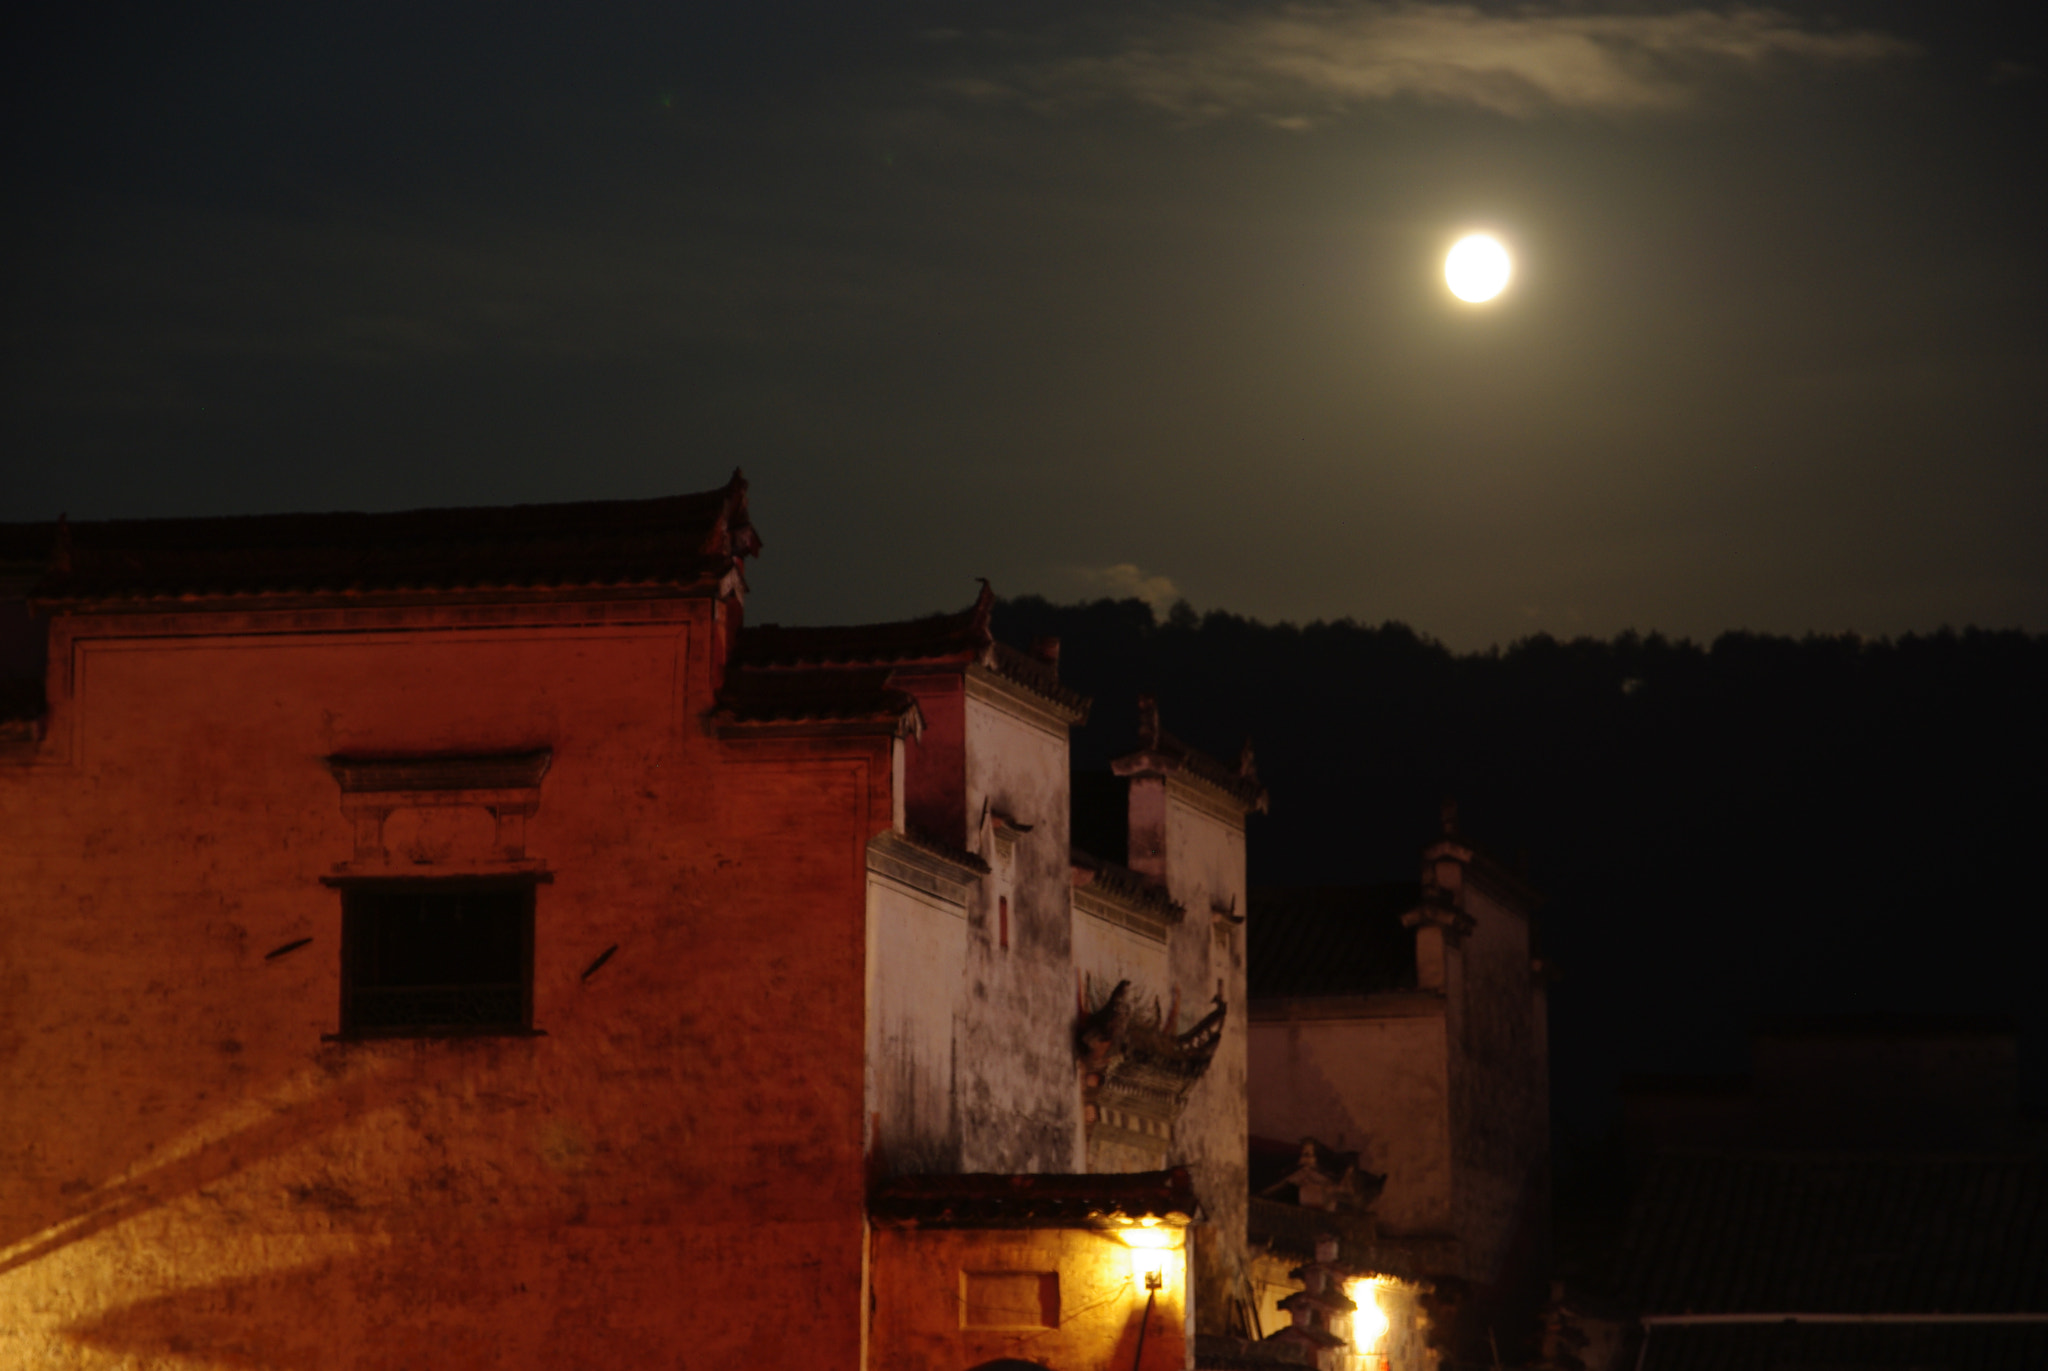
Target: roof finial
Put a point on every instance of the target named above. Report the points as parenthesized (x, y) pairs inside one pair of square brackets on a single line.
[(984, 605), (1148, 723), (1449, 817), (1245, 765)]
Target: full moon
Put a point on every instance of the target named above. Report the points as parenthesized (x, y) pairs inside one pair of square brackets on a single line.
[(1478, 268)]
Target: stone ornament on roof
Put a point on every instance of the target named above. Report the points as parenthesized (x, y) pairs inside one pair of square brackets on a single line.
[(1161, 754)]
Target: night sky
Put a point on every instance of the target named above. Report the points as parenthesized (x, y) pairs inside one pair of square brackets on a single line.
[(1134, 299)]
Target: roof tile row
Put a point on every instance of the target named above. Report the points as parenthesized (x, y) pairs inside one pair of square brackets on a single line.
[(1882, 1233), (1043, 1200), (681, 540)]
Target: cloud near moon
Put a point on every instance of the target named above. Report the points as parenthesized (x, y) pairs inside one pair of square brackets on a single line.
[(1298, 65)]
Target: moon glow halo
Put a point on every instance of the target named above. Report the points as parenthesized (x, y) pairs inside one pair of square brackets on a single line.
[(1477, 269)]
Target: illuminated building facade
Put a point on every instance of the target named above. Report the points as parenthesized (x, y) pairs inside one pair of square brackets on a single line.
[(451, 938)]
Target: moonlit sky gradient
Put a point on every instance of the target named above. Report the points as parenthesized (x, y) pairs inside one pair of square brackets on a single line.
[(1136, 299)]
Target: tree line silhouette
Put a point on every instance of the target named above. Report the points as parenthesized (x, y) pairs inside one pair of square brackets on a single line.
[(1757, 825)]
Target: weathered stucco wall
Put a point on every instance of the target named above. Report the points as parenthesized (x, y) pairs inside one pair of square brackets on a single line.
[(1500, 1092), (917, 945), (1203, 841), (1106, 953), (1019, 1105), (190, 1174), (1371, 1075), (1067, 1299)]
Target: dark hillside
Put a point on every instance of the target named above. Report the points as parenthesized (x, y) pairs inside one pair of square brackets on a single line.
[(1765, 825)]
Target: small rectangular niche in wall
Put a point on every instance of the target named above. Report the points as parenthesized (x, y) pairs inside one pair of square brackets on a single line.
[(1009, 1299)]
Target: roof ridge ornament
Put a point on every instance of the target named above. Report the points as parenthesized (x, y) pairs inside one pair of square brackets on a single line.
[(732, 532), (1148, 723), (984, 607)]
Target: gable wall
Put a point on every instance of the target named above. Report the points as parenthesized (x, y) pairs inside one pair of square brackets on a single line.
[(190, 1172), (1020, 1102)]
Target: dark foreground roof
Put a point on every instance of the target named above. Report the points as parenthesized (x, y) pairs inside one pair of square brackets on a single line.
[(1751, 1232), (845, 697), (1036, 1201), (1330, 940), (1848, 1347), (933, 639), (677, 541)]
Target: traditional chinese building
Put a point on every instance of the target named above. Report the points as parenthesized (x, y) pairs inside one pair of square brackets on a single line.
[(452, 938), (1869, 1196), (1406, 1023)]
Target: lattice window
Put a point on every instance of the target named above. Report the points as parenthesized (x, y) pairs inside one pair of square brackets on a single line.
[(429, 959)]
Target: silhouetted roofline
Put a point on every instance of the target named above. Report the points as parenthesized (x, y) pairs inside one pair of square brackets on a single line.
[(959, 639), (679, 542), (985, 1200), (1160, 753)]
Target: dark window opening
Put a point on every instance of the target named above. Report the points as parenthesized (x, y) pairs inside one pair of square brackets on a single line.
[(431, 960), (1003, 904)]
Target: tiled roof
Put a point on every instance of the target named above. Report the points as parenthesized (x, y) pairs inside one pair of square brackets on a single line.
[(1887, 1024), (680, 540), (1160, 751), (26, 547), (945, 851), (1041, 678), (1122, 883), (1848, 1347), (1871, 1233), (1329, 940), (1036, 1201), (935, 640), (859, 696)]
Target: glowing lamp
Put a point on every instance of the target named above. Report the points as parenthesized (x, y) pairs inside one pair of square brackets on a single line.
[(1369, 1324), (1149, 1246)]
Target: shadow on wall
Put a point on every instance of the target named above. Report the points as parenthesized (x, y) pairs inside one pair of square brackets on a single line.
[(481, 1301), (143, 1186)]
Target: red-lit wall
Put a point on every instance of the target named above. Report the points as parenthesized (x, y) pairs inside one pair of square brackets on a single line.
[(191, 1173)]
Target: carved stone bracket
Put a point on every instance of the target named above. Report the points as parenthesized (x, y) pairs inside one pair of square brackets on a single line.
[(1136, 1073)]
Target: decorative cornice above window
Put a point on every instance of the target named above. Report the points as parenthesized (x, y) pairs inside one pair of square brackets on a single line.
[(506, 785)]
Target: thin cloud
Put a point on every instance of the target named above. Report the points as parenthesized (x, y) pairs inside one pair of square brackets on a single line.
[(1127, 581), (1300, 65)]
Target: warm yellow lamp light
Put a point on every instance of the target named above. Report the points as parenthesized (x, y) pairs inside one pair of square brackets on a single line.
[(1369, 1324), (1149, 1246)]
